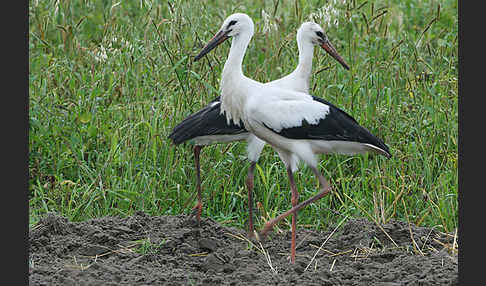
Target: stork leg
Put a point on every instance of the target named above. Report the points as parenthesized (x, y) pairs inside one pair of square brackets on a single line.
[(249, 185), (197, 210), (325, 189), (295, 201)]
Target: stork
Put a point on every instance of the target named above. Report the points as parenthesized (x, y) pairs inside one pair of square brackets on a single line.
[(298, 126), (208, 126)]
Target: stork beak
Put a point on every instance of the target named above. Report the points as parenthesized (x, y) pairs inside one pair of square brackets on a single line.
[(220, 37), (326, 45)]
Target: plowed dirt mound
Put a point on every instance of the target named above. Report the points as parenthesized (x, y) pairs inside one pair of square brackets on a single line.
[(174, 250)]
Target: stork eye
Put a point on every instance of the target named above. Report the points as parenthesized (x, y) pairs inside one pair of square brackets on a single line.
[(320, 34), (231, 23)]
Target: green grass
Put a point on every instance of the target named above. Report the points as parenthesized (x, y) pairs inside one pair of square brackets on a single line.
[(108, 80), (145, 246)]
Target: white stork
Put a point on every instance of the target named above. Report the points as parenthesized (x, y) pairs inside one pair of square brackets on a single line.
[(208, 126), (297, 125)]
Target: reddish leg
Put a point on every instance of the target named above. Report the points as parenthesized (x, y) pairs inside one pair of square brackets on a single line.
[(295, 201), (197, 210), (325, 189), (249, 185)]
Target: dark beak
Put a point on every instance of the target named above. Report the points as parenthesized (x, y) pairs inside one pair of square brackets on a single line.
[(326, 45), (213, 43)]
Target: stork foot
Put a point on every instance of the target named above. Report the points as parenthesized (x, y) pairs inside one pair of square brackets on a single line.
[(196, 213)]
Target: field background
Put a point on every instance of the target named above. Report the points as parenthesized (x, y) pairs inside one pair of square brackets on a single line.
[(108, 80)]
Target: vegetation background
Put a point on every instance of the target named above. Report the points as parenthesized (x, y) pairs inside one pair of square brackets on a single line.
[(109, 79)]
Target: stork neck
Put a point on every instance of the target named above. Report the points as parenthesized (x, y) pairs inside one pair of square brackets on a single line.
[(306, 53), (237, 51)]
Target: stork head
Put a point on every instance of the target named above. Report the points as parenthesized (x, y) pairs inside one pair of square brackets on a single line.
[(233, 26), (313, 33)]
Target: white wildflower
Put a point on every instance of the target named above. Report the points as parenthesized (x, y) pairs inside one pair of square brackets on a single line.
[(100, 55), (113, 47), (57, 8), (268, 24), (328, 14)]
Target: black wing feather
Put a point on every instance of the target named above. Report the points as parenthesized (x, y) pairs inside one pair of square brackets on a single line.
[(207, 121), (337, 125)]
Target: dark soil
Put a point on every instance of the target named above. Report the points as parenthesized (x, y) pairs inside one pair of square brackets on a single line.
[(173, 250)]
